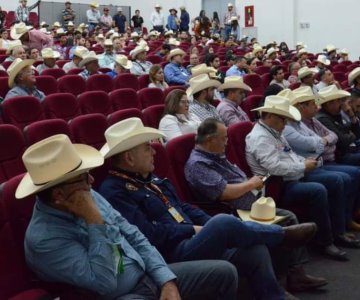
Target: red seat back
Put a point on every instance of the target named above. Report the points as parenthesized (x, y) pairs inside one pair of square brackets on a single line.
[(340, 68), (4, 87), (150, 96), (99, 82), (294, 86), (95, 102), (262, 70), (61, 105), (254, 81), (21, 111), (143, 81), (61, 62), (154, 59), (266, 79), (153, 114), (123, 114), (249, 103), (124, 98), (75, 71), (174, 87), (56, 72), (11, 156), (73, 84), (126, 80), (47, 84)]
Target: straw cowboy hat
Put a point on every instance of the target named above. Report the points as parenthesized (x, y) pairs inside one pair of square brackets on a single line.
[(49, 53), (157, 6), (57, 24), (16, 66), (80, 51), (288, 94), (271, 51), (303, 94), (353, 75), (234, 82), (331, 93), (305, 71), (134, 35), (230, 5), (108, 42), (143, 43), (344, 51), (18, 30), (137, 50), (169, 32), (257, 49), (13, 45), (330, 48), (262, 210), (302, 51), (55, 160), (323, 60), (114, 35), (89, 57), (201, 82), (60, 31), (175, 52), (100, 36), (174, 42), (203, 69), (154, 33), (126, 135), (300, 45), (279, 105), (123, 61), (94, 4), (70, 24), (44, 24)]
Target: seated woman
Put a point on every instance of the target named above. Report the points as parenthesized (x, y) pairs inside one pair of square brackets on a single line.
[(251, 65), (122, 65), (156, 78), (177, 119)]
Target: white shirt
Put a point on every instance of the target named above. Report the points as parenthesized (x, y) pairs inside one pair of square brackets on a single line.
[(172, 128), (69, 66), (157, 19), (93, 16)]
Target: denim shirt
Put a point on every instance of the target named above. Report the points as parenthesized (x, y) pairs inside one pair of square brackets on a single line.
[(61, 247), (18, 90), (176, 74)]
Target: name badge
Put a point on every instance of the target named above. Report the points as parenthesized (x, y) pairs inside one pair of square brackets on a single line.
[(175, 214)]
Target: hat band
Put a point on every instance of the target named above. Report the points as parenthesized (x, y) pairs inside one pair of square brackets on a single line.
[(63, 174)]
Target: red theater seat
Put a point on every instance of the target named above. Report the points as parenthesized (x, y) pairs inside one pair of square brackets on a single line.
[(150, 96), (126, 80), (73, 84), (56, 73), (61, 105), (153, 114), (255, 82), (123, 114), (47, 84), (95, 102), (124, 98), (99, 82)]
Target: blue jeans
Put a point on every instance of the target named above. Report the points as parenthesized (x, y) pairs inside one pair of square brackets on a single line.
[(224, 237), (312, 196), (352, 159), (227, 31), (352, 189)]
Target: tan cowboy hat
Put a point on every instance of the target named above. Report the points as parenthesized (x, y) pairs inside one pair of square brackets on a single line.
[(154, 33), (114, 35), (305, 71), (57, 24), (80, 51), (134, 35), (288, 94), (49, 53), (89, 57), (279, 105), (13, 45), (300, 45), (126, 135), (353, 75), (230, 5), (174, 42), (55, 160), (143, 43), (100, 36), (175, 52), (94, 4), (108, 42), (18, 30), (271, 51), (344, 51), (262, 211), (201, 82), (203, 69), (169, 32), (139, 49), (60, 31), (303, 94), (123, 61), (323, 60), (70, 23), (330, 48), (44, 24), (16, 66), (234, 82), (331, 93), (302, 51), (157, 6), (257, 49)]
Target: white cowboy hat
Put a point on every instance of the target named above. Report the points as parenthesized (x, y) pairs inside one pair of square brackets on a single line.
[(330, 48), (288, 94), (271, 51), (89, 57), (174, 42), (134, 35), (81, 51), (353, 75), (108, 42), (203, 69), (44, 30), (126, 135), (44, 24), (344, 51), (49, 53), (100, 36), (94, 4), (56, 24), (16, 66), (262, 211), (300, 45), (123, 61), (257, 49), (175, 52), (234, 82), (303, 94), (279, 105), (154, 33), (199, 83), (114, 35), (305, 71), (70, 23), (230, 5), (157, 6), (55, 160), (119, 9), (60, 31), (323, 59), (331, 93), (143, 43), (139, 49), (302, 51), (13, 45), (169, 32), (18, 30)]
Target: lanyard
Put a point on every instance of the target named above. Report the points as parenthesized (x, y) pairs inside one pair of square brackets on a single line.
[(287, 148)]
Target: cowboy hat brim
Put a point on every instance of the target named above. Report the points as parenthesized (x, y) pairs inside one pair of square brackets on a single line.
[(338, 95), (128, 66), (21, 65), (245, 216), (144, 135), (293, 112), (16, 36), (202, 86), (90, 158), (87, 60), (234, 85)]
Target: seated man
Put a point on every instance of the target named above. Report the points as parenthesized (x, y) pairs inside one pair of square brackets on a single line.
[(333, 106), (91, 64), (213, 178), (79, 53), (140, 65), (326, 79), (306, 76), (49, 56), (15, 50), (22, 80), (229, 108), (122, 65), (174, 72), (238, 68), (76, 237), (277, 75), (179, 231), (320, 191), (107, 59)]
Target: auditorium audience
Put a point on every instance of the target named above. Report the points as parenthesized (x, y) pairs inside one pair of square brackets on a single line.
[(91, 63)]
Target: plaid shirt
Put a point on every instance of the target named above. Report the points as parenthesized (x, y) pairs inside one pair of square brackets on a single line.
[(203, 111), (22, 13), (66, 13)]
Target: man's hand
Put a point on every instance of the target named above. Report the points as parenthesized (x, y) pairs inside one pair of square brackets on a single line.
[(310, 164), (81, 204), (197, 228), (169, 291), (256, 182)]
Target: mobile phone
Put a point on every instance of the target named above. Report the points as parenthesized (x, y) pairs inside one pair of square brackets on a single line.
[(266, 177), (318, 157)]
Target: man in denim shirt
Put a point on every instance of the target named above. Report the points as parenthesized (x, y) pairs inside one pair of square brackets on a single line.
[(174, 72), (76, 237)]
